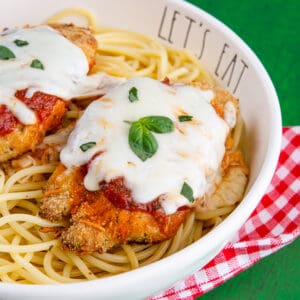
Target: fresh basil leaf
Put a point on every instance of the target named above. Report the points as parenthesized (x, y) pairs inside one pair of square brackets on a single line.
[(133, 94), (37, 64), (141, 141), (185, 118), (158, 124), (6, 53), (21, 43), (187, 192), (87, 146)]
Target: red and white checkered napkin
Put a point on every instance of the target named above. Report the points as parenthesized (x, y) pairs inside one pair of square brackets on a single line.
[(274, 224)]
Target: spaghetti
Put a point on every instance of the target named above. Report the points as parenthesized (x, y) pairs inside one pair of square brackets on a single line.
[(30, 254)]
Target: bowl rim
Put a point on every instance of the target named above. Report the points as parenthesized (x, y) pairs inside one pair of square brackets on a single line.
[(244, 209)]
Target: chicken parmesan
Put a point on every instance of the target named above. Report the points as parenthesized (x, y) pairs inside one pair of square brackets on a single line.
[(137, 161), (37, 79), (115, 151)]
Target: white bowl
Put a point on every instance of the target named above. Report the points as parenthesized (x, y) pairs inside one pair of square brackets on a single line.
[(220, 50)]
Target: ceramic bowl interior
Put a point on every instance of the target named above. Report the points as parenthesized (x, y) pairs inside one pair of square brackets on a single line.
[(234, 66)]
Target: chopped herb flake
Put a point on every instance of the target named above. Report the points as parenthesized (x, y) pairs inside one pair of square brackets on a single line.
[(185, 118), (133, 94), (6, 53), (87, 146), (37, 64), (187, 192), (21, 43)]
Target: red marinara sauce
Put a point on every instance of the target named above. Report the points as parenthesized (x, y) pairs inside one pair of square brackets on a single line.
[(40, 102), (120, 196), (7, 121)]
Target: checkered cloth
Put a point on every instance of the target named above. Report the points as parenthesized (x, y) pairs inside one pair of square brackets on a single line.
[(274, 224)]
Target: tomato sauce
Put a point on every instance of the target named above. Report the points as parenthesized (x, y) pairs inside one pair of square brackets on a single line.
[(120, 196), (7, 121), (40, 102)]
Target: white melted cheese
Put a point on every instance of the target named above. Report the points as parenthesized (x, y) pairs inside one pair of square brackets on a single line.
[(64, 75), (192, 153), (230, 114)]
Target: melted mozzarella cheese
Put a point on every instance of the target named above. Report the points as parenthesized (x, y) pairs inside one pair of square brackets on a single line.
[(230, 114), (191, 153), (64, 75)]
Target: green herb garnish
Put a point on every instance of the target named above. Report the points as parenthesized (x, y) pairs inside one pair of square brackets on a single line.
[(185, 118), (158, 124), (187, 192), (87, 146), (6, 53), (141, 140), (21, 43), (37, 64), (133, 96)]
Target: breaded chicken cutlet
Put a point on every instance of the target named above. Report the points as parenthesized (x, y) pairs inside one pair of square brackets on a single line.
[(107, 218), (17, 138)]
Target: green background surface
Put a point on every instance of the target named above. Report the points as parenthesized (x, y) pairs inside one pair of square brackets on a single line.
[(272, 30)]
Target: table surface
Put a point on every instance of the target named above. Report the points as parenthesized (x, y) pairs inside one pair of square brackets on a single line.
[(272, 29)]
